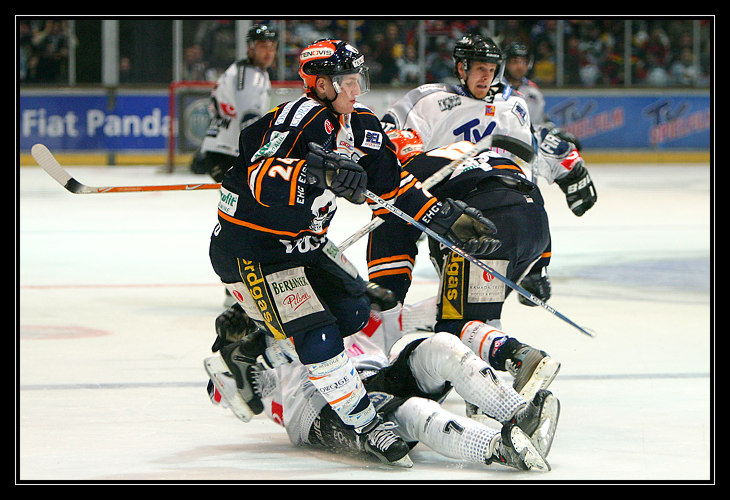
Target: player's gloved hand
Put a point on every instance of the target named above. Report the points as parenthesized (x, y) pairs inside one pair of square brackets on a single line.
[(465, 227), (381, 298), (232, 325), (566, 136), (329, 170), (578, 188), (214, 164), (538, 284)]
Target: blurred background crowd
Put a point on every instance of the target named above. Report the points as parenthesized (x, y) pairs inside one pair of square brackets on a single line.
[(584, 53)]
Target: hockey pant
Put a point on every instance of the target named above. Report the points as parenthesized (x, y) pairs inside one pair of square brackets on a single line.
[(312, 306), (467, 292)]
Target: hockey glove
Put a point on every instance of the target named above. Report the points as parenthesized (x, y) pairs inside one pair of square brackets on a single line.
[(538, 284), (465, 227), (329, 170), (578, 188), (232, 325), (566, 136), (214, 164)]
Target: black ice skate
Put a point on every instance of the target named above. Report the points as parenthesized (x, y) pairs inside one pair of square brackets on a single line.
[(532, 369), (513, 448), (387, 446), (232, 375), (539, 420)]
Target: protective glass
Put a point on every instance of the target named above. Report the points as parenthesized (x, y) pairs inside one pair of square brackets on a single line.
[(353, 82)]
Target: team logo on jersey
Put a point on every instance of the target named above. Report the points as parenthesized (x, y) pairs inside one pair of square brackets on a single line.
[(452, 294), (271, 147), (328, 127), (449, 103), (372, 139), (489, 111), (520, 113)]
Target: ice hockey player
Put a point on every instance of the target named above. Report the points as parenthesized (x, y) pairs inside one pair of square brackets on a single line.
[(518, 61), (482, 104), (277, 202), (407, 391), (242, 94), (469, 302)]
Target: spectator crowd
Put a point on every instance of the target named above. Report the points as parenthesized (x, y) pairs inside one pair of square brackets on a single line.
[(662, 51)]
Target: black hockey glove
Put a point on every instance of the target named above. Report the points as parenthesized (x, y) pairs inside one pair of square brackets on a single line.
[(214, 164), (381, 298), (578, 188), (329, 170), (232, 325), (465, 227), (538, 284)]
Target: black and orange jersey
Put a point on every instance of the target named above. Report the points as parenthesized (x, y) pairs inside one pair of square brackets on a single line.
[(391, 249), (268, 211)]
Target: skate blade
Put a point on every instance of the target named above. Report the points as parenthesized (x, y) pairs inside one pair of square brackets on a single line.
[(404, 462), (545, 432), (527, 451), (216, 367), (543, 375)]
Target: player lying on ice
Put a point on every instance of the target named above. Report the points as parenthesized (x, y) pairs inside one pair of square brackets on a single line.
[(406, 389)]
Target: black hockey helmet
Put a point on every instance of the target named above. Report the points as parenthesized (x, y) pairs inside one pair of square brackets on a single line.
[(261, 32), (474, 47), (519, 49)]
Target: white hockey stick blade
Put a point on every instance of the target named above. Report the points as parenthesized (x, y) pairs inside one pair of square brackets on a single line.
[(48, 162), (225, 383)]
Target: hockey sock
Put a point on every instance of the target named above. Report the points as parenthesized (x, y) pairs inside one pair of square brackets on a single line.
[(487, 342), (340, 385)]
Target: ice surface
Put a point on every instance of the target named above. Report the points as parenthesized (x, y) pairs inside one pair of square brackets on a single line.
[(116, 301)]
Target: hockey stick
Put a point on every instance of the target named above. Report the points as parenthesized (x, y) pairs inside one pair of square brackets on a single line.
[(514, 146), (48, 162), (454, 248)]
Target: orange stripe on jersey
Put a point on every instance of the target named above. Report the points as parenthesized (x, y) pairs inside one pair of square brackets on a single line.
[(392, 258), (390, 272), (260, 178), (256, 227), (302, 130), (425, 208), (509, 167), (546, 254)]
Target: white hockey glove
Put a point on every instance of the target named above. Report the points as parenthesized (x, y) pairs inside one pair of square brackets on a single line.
[(329, 170)]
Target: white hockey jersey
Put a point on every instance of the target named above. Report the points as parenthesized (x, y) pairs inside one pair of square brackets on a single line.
[(535, 101), (443, 114), (242, 94)]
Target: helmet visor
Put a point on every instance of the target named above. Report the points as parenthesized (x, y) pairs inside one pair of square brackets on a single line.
[(357, 82)]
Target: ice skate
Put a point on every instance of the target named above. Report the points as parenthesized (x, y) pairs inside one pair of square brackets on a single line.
[(539, 420), (513, 448), (532, 369), (231, 374), (387, 446)]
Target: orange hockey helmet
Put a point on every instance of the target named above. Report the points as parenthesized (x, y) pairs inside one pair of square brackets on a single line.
[(333, 58)]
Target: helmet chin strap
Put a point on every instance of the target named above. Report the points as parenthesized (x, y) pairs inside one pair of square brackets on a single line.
[(326, 101)]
